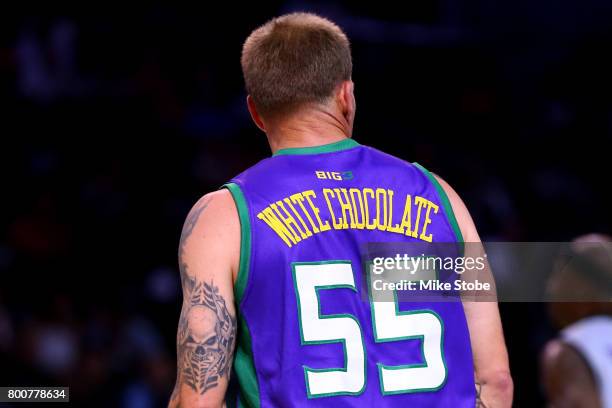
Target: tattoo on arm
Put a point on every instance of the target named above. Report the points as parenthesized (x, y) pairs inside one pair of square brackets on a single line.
[(207, 330), (190, 223), (206, 338)]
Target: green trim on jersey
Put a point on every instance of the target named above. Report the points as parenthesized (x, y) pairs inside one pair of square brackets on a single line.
[(243, 361), (244, 364), (448, 208), (245, 240), (343, 144)]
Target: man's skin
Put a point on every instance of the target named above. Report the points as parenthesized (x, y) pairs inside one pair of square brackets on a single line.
[(568, 379), (210, 250), (492, 372), (208, 255)]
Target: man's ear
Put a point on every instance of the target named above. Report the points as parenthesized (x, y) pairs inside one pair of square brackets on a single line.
[(254, 114), (346, 101)]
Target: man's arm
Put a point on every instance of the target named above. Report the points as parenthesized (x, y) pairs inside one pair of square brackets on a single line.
[(208, 259), (493, 381), (567, 378)]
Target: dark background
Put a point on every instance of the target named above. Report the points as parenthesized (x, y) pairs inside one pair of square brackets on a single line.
[(115, 120)]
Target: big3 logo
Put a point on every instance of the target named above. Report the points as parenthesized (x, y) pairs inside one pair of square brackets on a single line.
[(334, 175)]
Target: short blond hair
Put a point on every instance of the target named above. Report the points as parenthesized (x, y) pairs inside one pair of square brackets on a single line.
[(294, 59)]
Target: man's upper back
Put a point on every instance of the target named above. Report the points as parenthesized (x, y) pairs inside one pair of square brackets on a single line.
[(309, 333), (346, 186)]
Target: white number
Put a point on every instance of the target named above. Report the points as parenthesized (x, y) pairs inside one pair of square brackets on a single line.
[(389, 325), (317, 329), (392, 325)]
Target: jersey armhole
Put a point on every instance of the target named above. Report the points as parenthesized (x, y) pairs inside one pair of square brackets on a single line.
[(244, 361), (245, 240), (444, 200)]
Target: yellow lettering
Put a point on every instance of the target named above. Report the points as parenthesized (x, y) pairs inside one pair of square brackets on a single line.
[(288, 220), (322, 226), (352, 192), (381, 192), (407, 217), (370, 192), (298, 199), (427, 221), (326, 192), (296, 217), (397, 228), (308, 233), (344, 207), (279, 227), (419, 201)]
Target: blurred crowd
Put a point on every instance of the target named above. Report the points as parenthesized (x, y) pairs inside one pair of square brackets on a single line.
[(116, 122)]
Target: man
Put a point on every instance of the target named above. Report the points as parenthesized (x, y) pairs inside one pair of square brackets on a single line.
[(577, 367), (272, 259)]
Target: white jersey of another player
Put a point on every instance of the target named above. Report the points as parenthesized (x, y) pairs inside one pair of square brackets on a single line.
[(592, 338)]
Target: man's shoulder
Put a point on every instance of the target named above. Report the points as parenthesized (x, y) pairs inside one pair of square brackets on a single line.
[(216, 210)]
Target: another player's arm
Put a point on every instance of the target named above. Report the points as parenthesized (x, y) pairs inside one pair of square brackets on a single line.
[(567, 378), (493, 381), (208, 258)]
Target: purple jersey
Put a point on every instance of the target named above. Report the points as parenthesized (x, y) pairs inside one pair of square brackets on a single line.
[(307, 334)]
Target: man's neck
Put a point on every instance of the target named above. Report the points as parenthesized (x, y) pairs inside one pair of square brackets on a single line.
[(307, 131)]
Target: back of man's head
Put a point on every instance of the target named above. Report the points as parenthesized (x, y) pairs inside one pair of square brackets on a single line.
[(293, 60)]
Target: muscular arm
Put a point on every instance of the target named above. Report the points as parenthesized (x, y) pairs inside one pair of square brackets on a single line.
[(567, 378), (492, 372), (208, 258)]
